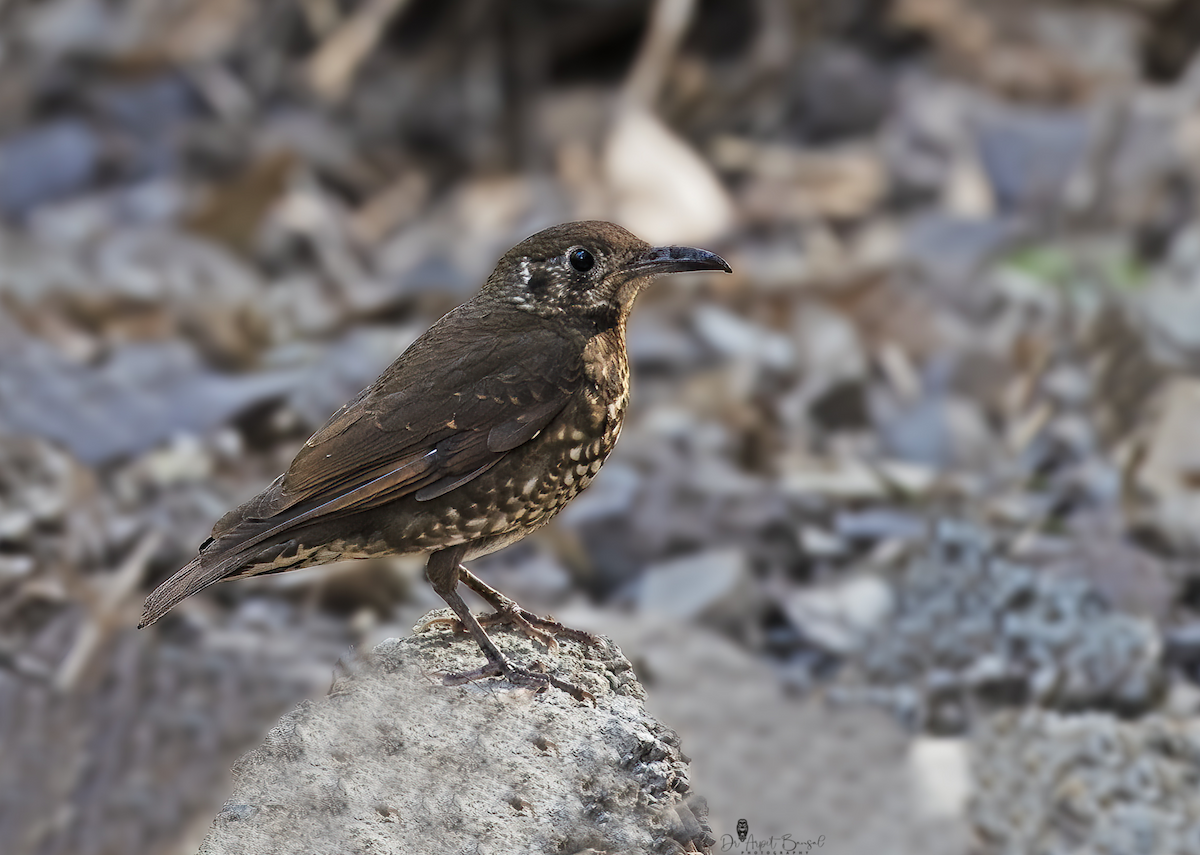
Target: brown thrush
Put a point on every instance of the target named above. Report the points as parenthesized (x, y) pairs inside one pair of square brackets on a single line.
[(479, 433)]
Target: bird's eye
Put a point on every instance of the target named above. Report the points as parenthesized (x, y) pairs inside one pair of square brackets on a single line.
[(581, 259)]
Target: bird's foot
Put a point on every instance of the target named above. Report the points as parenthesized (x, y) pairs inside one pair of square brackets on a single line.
[(508, 612), (514, 616), (538, 628), (530, 678)]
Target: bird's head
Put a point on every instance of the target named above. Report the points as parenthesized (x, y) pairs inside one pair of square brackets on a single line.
[(591, 271)]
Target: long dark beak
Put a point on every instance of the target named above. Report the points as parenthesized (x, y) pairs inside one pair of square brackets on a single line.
[(677, 259)]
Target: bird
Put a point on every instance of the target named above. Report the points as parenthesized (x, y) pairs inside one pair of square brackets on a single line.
[(476, 435)]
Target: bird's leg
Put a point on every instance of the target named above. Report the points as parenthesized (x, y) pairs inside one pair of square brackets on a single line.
[(443, 572), (507, 611)]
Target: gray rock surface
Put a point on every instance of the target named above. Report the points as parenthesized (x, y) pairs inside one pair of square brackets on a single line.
[(1051, 783), (972, 628), (392, 761)]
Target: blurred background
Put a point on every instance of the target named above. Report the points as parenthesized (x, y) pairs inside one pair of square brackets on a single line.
[(903, 531)]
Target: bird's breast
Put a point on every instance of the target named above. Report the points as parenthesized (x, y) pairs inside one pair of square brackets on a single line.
[(535, 480), (575, 445)]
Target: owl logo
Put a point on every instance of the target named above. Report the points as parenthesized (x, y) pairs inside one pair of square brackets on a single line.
[(743, 829)]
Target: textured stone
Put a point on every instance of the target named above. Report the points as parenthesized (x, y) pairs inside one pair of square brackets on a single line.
[(972, 626), (392, 761), (1051, 783)]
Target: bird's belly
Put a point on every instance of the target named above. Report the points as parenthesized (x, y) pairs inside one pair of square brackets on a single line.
[(521, 493)]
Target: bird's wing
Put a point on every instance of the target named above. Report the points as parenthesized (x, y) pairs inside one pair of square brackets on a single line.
[(432, 422)]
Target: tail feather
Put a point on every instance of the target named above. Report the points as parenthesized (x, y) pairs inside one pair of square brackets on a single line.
[(195, 576)]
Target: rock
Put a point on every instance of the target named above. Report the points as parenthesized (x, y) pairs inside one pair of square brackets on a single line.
[(656, 340), (840, 617), (712, 584), (787, 184), (849, 478), (840, 478), (143, 395), (862, 85), (936, 432), (662, 188), (1030, 155), (918, 432), (951, 250), (1166, 498), (828, 345), (1182, 645), (1131, 578), (1054, 783), (393, 761), (1169, 307), (879, 524), (735, 337), (46, 163), (941, 770), (970, 625), (816, 542)]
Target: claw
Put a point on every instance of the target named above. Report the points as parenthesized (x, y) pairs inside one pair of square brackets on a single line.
[(515, 618), (526, 677), (539, 629), (448, 621)]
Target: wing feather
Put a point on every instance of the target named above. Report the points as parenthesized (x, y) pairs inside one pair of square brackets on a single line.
[(427, 426)]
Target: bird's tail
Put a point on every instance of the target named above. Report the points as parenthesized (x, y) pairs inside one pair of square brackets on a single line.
[(195, 576)]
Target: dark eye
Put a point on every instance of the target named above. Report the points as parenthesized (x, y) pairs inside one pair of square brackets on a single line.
[(581, 260)]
